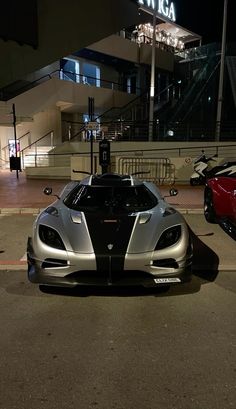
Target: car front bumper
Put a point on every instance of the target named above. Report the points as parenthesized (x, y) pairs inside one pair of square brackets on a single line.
[(80, 269)]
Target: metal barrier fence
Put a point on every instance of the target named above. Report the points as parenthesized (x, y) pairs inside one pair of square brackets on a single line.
[(159, 170)]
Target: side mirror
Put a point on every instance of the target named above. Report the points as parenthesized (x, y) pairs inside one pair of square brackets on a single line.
[(47, 191), (173, 192)]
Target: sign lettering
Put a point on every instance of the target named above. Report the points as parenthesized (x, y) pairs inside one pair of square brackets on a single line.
[(164, 7)]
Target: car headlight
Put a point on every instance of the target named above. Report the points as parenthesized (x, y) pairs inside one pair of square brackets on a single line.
[(169, 237), (169, 211), (50, 237), (52, 210)]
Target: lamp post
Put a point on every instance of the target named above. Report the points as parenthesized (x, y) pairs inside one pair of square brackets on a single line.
[(15, 139), (152, 82), (221, 80)]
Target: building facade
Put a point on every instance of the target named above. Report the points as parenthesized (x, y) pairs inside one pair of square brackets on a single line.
[(51, 103)]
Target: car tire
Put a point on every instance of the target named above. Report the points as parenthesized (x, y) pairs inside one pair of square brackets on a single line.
[(209, 211)]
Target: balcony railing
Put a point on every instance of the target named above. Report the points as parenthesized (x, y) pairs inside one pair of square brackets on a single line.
[(17, 89)]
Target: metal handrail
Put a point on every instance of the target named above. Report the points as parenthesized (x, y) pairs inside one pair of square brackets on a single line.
[(105, 113), (160, 170), (19, 138), (35, 144), (58, 74), (39, 139), (212, 148), (124, 109), (101, 80)]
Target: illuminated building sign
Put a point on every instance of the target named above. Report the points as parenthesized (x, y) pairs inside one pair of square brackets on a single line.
[(164, 7)]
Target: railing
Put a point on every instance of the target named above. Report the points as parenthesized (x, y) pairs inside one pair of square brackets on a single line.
[(96, 82), (141, 37), (196, 53), (135, 131), (137, 157), (122, 130), (21, 139), (158, 170), (8, 93), (121, 119), (113, 116), (45, 140), (24, 141)]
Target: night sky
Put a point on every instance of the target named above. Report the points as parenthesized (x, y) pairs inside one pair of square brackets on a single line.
[(205, 17)]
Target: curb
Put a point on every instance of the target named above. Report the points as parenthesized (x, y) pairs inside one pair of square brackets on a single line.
[(190, 211), (13, 265), (8, 211)]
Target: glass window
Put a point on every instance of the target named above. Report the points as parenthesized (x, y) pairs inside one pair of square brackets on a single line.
[(69, 70), (91, 74), (118, 199)]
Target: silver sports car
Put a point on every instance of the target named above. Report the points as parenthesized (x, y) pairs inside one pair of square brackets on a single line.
[(109, 229)]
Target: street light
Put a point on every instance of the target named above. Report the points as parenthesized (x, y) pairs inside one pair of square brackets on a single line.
[(152, 82), (221, 80)]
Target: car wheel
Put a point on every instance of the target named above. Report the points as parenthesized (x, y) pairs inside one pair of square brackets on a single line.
[(209, 211)]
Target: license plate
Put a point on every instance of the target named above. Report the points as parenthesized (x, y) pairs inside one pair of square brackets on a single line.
[(167, 280)]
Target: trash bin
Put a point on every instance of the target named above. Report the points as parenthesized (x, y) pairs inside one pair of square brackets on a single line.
[(104, 154), (15, 163)]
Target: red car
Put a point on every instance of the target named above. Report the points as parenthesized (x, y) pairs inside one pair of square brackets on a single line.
[(220, 202)]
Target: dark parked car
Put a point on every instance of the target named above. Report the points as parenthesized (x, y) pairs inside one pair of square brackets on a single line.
[(220, 202)]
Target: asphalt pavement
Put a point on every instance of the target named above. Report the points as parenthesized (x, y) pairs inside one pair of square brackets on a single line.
[(117, 349)]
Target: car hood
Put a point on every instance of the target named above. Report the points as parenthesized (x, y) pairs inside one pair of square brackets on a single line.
[(86, 232)]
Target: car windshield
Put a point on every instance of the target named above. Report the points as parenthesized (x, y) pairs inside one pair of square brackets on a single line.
[(116, 199)]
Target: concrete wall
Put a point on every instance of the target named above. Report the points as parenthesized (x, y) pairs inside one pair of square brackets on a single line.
[(68, 96), (155, 149), (130, 51), (164, 59), (44, 122), (78, 155), (117, 46), (180, 171)]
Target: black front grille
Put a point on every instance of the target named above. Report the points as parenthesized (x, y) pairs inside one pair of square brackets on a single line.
[(53, 262), (103, 278), (166, 262)]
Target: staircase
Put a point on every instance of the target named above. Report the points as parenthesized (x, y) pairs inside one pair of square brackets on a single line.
[(35, 156), (117, 121)]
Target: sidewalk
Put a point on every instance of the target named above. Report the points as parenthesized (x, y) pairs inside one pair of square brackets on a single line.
[(24, 195)]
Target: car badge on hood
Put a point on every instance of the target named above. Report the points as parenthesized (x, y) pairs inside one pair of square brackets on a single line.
[(110, 246)]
